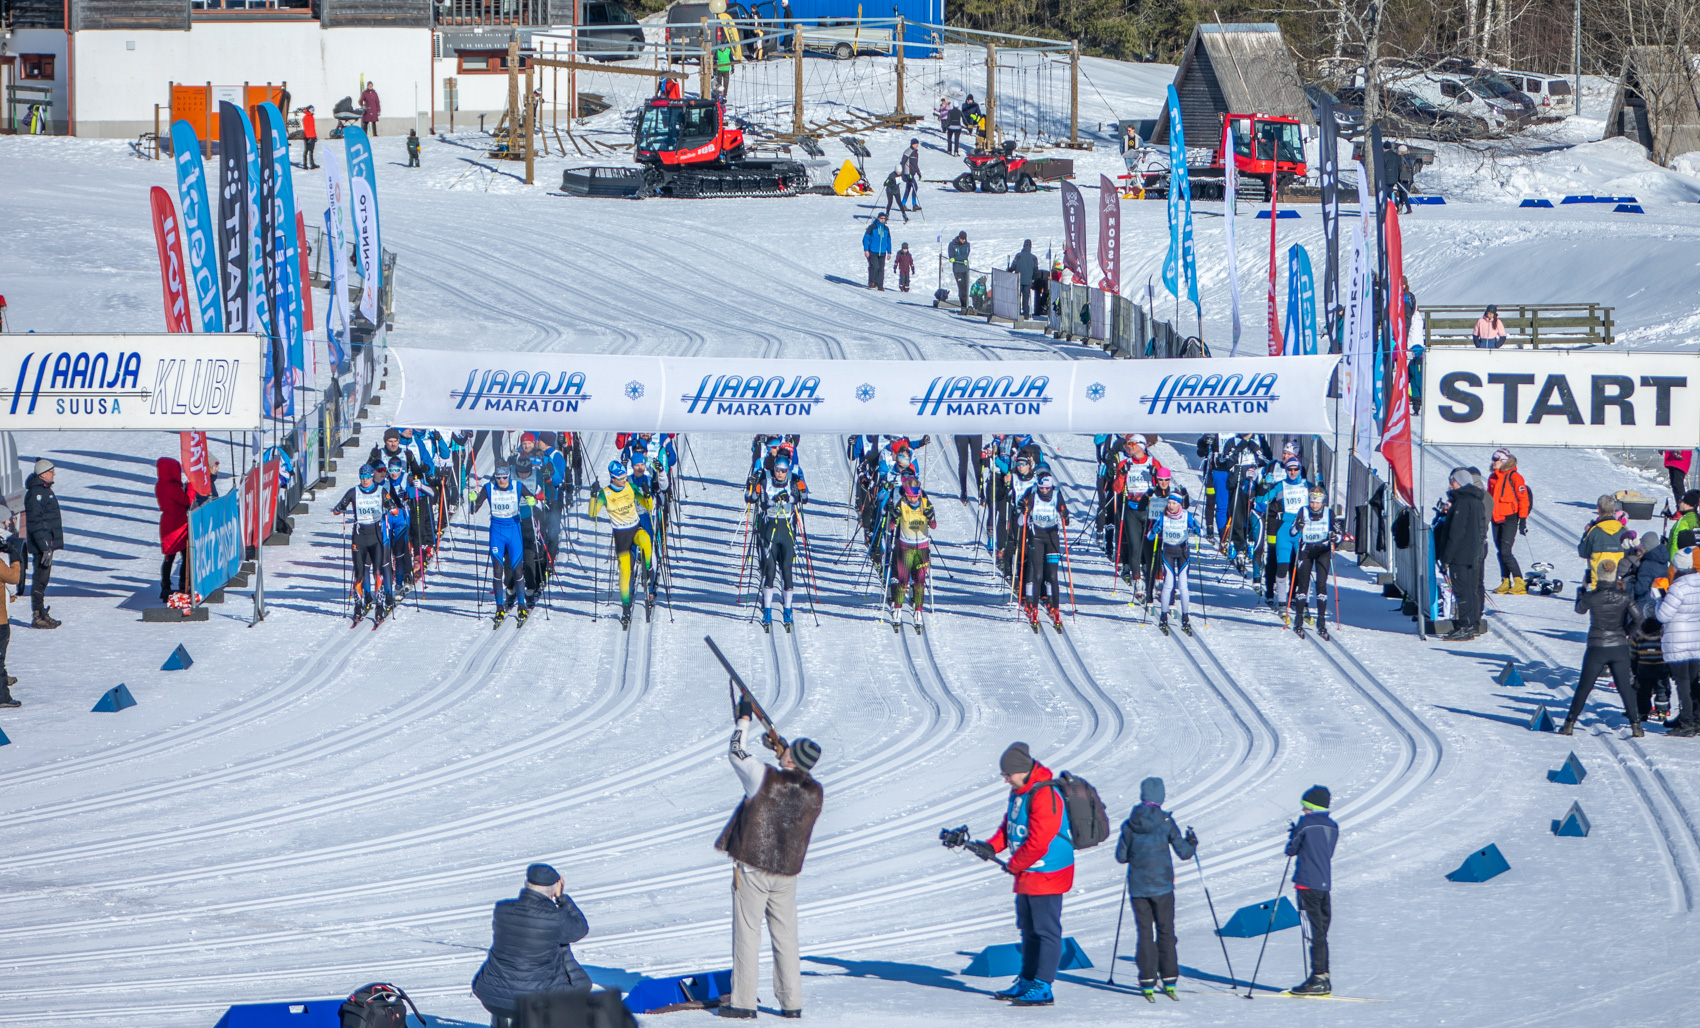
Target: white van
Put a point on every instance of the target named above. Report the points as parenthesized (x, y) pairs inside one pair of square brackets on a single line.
[(1452, 93), (1554, 97)]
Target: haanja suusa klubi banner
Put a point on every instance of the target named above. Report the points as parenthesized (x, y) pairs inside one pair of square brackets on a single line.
[(1594, 397), (148, 382), (597, 392), (215, 542)]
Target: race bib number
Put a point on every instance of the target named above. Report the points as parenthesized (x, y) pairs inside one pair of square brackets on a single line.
[(1174, 530), (368, 507), (1294, 495), (1315, 531), (504, 503), (1139, 478)]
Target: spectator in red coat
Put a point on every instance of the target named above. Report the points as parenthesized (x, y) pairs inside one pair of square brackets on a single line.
[(174, 499), (309, 137), (369, 109), (905, 267), (1035, 828)]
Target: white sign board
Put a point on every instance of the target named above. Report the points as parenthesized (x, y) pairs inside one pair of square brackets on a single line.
[(599, 392), (167, 382), (1592, 397)]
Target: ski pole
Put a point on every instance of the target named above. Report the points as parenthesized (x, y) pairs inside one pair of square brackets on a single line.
[(1199, 862), (1335, 572), (1115, 950), (1280, 890), (809, 563), (1074, 607)]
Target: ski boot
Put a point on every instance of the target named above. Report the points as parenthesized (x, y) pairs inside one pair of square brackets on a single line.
[(767, 619), (1163, 623), (1038, 994), (1300, 621), (1569, 727), (916, 617), (1322, 627), (1286, 615), (626, 618), (1056, 616), (1169, 985), (1635, 730), (897, 617), (1019, 988), (1315, 985), (501, 615), (1031, 610), (524, 612), (785, 617), (1148, 989), (1186, 623)]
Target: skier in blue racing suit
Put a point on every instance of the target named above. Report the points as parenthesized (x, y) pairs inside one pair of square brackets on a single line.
[(507, 499)]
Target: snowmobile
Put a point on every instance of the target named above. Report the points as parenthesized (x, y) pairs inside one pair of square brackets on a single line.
[(996, 171)]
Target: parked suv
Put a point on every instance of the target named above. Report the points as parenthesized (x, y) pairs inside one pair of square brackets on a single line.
[(608, 32), (1553, 96)]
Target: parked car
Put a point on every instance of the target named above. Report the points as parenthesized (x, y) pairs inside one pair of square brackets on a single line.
[(608, 32), (684, 29), (1455, 95), (846, 39), (1494, 86), (1348, 117), (1407, 114), (1553, 96)]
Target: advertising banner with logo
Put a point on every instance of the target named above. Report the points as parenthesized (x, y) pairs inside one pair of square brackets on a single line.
[(1563, 398), (598, 392), (170, 246), (196, 461), (198, 225), (207, 383), (259, 501), (215, 543)]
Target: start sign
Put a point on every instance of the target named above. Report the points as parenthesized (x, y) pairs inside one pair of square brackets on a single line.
[(1590, 397)]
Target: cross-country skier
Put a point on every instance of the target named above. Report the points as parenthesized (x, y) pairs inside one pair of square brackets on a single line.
[(778, 499), (914, 519), (1285, 498), (1245, 455), (1044, 516), (1172, 533), (1315, 537), (1015, 482), (626, 507), (398, 525), (507, 499), (370, 502), (1129, 479)]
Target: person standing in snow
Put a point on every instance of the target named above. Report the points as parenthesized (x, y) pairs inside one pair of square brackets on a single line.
[(174, 500), (1677, 463), (1611, 617), (876, 246), (953, 130), (1511, 502), (1147, 836), (905, 263), (1464, 551), (1035, 829), (1025, 265), (1605, 537), (413, 148), (45, 531), (1311, 841), (11, 573), (1490, 332), (768, 839), (531, 947), (369, 109), (309, 137), (958, 254)]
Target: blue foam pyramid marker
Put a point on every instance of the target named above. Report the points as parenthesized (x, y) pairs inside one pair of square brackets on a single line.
[(1535, 203), (1571, 773), (1419, 201), (1253, 921), (1619, 199), (312, 1013), (1628, 208), (3, 740), (1540, 720), (1004, 959), (1574, 823), (1584, 198), (1508, 675), (1480, 866), (1073, 957), (653, 994), (1282, 212), (178, 661), (113, 700)]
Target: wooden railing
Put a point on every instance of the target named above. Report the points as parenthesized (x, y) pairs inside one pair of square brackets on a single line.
[(1535, 324)]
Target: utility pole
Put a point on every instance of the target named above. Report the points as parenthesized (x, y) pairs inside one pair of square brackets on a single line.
[(991, 105), (1578, 68), (1074, 94), (797, 86), (898, 41), (705, 64)]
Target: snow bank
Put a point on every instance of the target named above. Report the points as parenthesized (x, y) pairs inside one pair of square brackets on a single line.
[(1616, 166)]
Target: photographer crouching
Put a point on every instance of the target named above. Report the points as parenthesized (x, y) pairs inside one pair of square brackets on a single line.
[(532, 947)]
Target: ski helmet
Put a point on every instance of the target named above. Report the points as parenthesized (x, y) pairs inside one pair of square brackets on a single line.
[(616, 469), (396, 466), (1134, 439), (782, 463)]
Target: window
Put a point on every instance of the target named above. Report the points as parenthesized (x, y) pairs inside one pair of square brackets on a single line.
[(1242, 137), (1558, 87), (596, 14), (38, 67), (1450, 90), (486, 62)]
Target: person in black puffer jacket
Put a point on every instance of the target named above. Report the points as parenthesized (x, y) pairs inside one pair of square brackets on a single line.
[(1611, 617), (532, 947), (46, 533), (1464, 551), (1147, 836)]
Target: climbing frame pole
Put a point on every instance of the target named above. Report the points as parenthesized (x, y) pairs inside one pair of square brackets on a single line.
[(990, 107), (797, 81), (527, 128), (705, 64), (898, 40), (1074, 93)]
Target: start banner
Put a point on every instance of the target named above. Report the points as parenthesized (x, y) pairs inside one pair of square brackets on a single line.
[(150, 382), (1563, 398), (598, 392)]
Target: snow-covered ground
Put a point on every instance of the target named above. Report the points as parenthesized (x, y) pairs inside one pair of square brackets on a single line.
[(310, 808)]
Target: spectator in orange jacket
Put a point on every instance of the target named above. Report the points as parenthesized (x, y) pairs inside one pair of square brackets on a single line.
[(1035, 828), (1509, 495), (309, 137)]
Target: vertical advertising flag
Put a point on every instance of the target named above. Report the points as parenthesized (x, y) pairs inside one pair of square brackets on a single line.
[(287, 260), (1109, 235), (1275, 345), (259, 319), (1396, 278), (336, 241), (165, 234), (1177, 183), (275, 378), (363, 200), (304, 250), (1074, 232), (197, 462), (1363, 344), (1304, 291), (198, 225), (233, 216), (1329, 173), (1230, 189)]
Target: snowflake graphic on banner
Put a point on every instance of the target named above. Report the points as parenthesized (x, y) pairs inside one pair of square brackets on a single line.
[(1095, 392), (864, 392), (634, 390)]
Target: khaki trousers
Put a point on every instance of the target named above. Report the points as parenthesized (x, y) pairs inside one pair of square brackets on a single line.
[(757, 894)]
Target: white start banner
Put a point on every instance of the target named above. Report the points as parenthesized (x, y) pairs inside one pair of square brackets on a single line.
[(172, 382), (1592, 397), (599, 392)]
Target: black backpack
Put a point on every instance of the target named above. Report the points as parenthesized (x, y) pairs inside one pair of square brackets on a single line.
[(377, 1006), (574, 1010), (1088, 822)]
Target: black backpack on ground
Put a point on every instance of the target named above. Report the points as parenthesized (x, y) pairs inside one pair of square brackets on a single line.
[(574, 1010), (377, 1006), (1088, 822)]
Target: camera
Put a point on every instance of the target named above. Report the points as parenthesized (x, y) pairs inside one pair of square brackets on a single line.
[(954, 838)]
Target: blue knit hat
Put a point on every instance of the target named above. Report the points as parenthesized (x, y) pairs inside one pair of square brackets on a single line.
[(1151, 790)]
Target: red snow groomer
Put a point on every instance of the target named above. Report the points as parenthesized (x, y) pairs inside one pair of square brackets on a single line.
[(1268, 151), (688, 150)]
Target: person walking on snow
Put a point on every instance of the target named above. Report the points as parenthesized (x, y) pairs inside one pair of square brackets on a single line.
[(1025, 265), (1311, 841), (369, 109), (1510, 512), (958, 254), (1611, 617), (768, 840), (413, 148), (45, 531), (174, 501), (309, 137), (1036, 830), (531, 949), (905, 264), (1147, 836), (876, 246), (910, 169), (953, 130), (894, 195)]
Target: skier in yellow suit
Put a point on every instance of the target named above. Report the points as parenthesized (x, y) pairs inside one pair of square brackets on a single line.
[(628, 509)]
